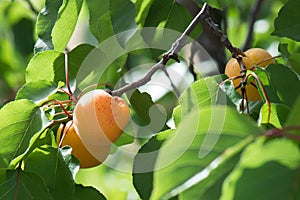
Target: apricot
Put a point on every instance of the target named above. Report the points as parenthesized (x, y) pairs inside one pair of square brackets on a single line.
[(254, 57), (99, 119), (71, 138)]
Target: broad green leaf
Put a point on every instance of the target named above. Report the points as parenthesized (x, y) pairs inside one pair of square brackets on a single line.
[(48, 163), (285, 83), (265, 166), (20, 120), (295, 62), (196, 152), (46, 65), (163, 14), (110, 17), (65, 24), (37, 91), (45, 23), (202, 93), (294, 116), (18, 184), (144, 164), (285, 25), (83, 193), (149, 118), (273, 114), (50, 65)]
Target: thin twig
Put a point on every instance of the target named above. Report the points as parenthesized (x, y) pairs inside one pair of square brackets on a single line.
[(254, 12), (171, 54)]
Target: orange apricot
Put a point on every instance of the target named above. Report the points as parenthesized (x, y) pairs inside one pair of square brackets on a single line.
[(99, 119), (86, 159)]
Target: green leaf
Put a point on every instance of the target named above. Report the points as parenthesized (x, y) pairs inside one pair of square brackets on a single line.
[(201, 93), (45, 23), (265, 166), (20, 120), (107, 18), (18, 184), (201, 149), (46, 65), (65, 24), (273, 114), (83, 193), (285, 25), (50, 65), (285, 83), (294, 116), (149, 117), (37, 91), (144, 164), (49, 164), (295, 62), (163, 14)]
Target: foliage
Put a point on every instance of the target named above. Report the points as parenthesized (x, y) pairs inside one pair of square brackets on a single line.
[(207, 143)]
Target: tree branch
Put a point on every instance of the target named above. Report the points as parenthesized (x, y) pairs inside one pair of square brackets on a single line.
[(171, 54), (254, 12)]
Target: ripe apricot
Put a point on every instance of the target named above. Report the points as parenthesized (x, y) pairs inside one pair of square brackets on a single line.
[(99, 119), (71, 138), (254, 56), (259, 57)]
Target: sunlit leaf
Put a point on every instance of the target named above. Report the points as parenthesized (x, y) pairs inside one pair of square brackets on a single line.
[(273, 114), (37, 91), (65, 24), (20, 120), (203, 92), (48, 163)]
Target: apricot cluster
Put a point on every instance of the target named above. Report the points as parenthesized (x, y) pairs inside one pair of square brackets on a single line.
[(98, 121), (253, 57)]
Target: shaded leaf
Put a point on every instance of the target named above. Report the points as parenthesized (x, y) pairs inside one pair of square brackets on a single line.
[(265, 166), (18, 184), (285, 25), (83, 193), (285, 83), (49, 163), (201, 146), (45, 23), (144, 164), (107, 18), (149, 117), (20, 120)]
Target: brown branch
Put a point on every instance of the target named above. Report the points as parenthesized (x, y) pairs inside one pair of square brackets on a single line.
[(254, 12), (171, 54)]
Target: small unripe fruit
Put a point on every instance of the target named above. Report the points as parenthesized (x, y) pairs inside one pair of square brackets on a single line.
[(99, 119), (254, 56), (70, 137)]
